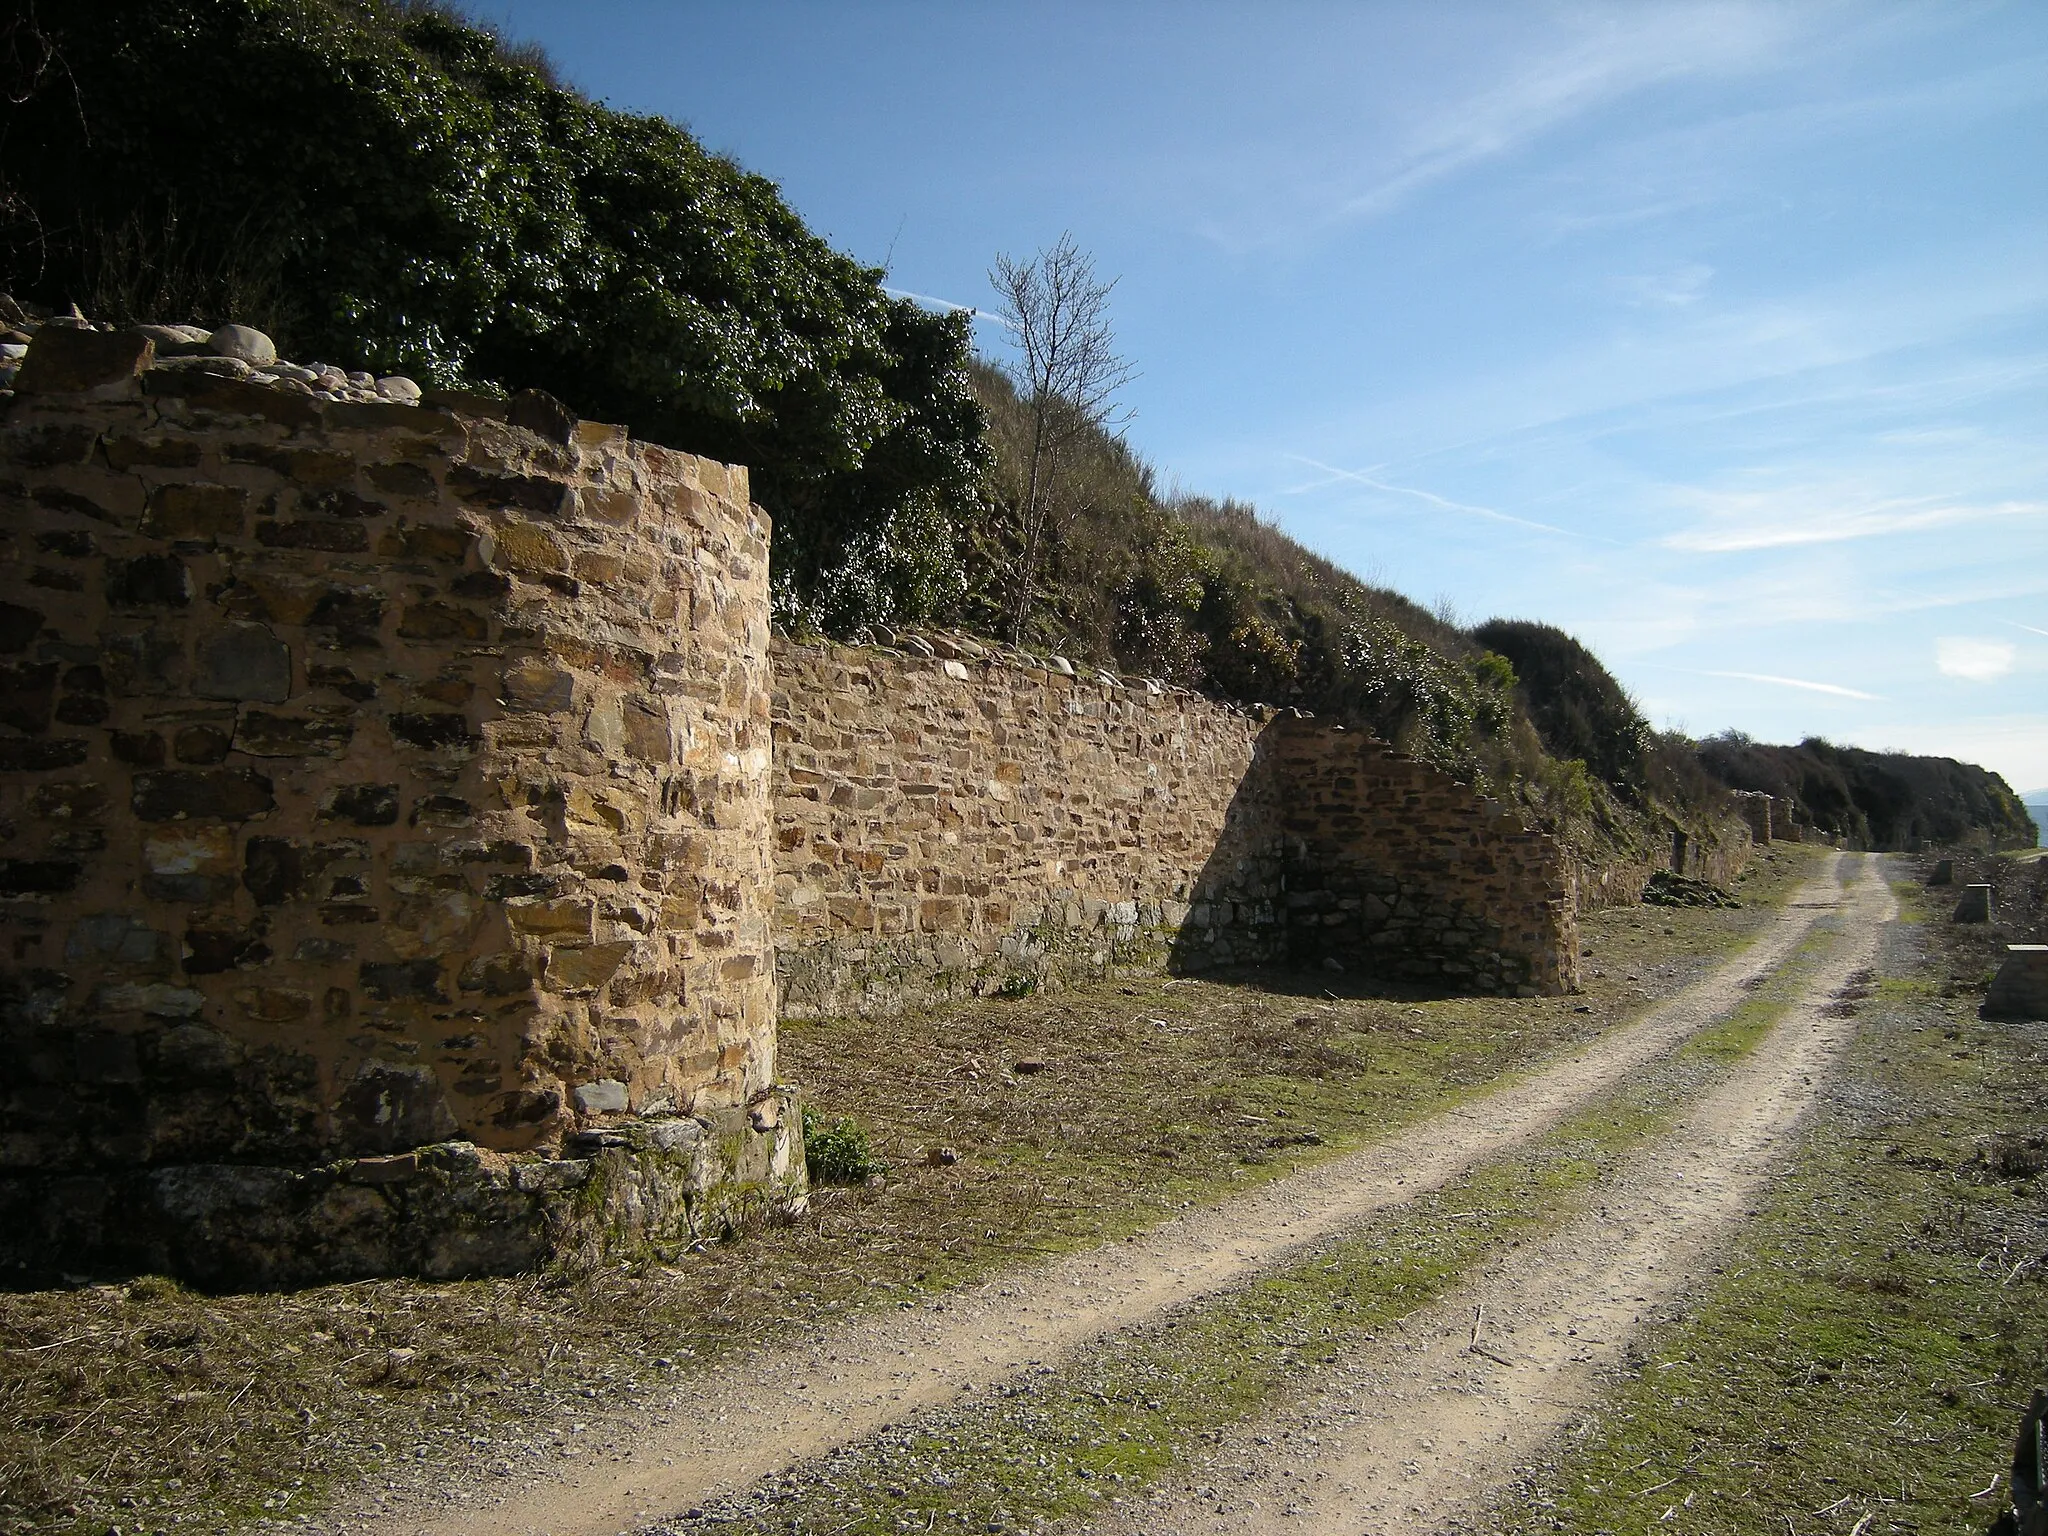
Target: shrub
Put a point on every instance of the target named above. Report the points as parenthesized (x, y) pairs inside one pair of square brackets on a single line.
[(839, 1153), (386, 186), (1576, 705)]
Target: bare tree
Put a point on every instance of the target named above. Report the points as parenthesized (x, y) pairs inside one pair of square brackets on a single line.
[(1067, 375)]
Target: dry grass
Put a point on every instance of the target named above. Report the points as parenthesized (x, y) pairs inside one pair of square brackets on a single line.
[(150, 1406)]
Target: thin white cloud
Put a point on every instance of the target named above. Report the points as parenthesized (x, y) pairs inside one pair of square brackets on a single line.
[(1779, 519), (1621, 52), (2016, 624), (1972, 659), (1514, 85), (1799, 682), (1361, 478), (1669, 290), (983, 316)]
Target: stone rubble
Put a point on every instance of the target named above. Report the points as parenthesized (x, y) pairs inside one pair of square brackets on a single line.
[(232, 351)]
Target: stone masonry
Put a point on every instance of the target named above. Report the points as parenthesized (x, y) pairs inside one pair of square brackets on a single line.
[(966, 822), (1396, 869), (385, 799), (410, 839), (975, 821)]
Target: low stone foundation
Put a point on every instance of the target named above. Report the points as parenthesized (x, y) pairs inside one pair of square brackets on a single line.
[(448, 1211)]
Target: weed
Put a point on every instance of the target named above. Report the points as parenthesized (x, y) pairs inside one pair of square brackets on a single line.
[(839, 1153)]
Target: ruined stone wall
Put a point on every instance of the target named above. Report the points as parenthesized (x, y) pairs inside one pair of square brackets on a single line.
[(1618, 881), (406, 851), (969, 822), (372, 776), (1396, 869)]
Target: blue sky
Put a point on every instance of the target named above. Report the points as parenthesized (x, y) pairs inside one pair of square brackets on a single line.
[(1716, 334)]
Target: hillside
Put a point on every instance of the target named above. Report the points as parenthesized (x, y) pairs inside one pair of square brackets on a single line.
[(381, 184), (389, 185), (1884, 800)]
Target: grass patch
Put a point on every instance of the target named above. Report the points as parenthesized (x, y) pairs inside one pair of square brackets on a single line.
[(1862, 1362)]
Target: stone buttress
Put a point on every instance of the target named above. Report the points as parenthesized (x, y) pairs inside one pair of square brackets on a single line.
[(385, 797)]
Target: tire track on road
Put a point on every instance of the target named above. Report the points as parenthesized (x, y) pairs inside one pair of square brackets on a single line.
[(1430, 1423), (783, 1406)]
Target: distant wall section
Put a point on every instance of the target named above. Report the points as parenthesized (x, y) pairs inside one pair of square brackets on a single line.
[(960, 823)]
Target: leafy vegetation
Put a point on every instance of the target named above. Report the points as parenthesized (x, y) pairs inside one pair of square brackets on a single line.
[(1211, 596), (384, 184), (839, 1153), (387, 186), (1577, 707), (1876, 799)]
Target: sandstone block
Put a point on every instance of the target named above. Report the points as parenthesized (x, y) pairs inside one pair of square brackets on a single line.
[(260, 733), (365, 805), (537, 686), (202, 743), (148, 581), (156, 999), (400, 980), (583, 967), (274, 1005), (439, 621), (242, 662), (205, 512), (606, 1096), (228, 794), (391, 1108), (571, 915), (332, 537), (431, 732), (116, 939)]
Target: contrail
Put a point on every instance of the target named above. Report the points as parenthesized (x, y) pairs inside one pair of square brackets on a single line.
[(1798, 682), (1432, 498), (988, 316)]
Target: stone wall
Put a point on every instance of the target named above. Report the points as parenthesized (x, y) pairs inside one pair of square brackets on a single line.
[(1395, 869), (1618, 881), (373, 777), (962, 822), (972, 822), (406, 853)]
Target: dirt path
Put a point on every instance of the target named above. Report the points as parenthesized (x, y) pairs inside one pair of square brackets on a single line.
[(755, 1416), (1427, 1425)]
